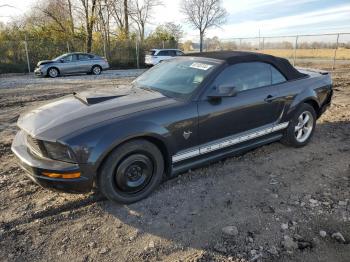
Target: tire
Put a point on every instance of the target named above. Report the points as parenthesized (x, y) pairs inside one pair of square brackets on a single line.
[(96, 70), (300, 131), (53, 72), (131, 172)]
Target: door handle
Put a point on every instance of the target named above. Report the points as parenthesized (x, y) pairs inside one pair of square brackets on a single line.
[(269, 98)]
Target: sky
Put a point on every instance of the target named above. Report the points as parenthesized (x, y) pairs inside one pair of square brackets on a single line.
[(245, 17)]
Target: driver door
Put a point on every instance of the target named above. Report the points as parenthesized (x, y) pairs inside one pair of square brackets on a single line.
[(256, 103), (70, 64)]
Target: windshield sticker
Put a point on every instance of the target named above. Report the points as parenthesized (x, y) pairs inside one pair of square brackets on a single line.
[(201, 66)]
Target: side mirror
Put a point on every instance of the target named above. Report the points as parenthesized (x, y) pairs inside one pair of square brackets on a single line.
[(223, 91), (62, 60)]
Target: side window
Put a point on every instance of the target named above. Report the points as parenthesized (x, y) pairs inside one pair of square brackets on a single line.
[(245, 76), (163, 53), (91, 56), (277, 77), (68, 58), (178, 53), (84, 57), (172, 52)]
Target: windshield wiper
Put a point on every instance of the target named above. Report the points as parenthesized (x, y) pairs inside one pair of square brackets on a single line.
[(154, 90), (148, 89)]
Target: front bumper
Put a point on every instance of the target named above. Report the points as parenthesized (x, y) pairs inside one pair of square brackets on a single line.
[(149, 62), (35, 166), (38, 72)]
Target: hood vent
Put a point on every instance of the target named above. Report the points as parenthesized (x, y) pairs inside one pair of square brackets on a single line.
[(94, 98)]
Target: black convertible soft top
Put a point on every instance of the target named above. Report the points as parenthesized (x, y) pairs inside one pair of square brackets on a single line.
[(234, 57)]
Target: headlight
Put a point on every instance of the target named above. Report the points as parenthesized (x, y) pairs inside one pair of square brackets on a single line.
[(58, 151)]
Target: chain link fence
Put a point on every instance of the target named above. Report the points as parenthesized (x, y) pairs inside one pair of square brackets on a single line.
[(324, 51), (22, 56)]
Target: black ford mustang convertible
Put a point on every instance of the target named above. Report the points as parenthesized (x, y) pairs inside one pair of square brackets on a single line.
[(180, 114)]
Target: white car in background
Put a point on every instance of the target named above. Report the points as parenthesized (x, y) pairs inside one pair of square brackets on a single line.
[(155, 56)]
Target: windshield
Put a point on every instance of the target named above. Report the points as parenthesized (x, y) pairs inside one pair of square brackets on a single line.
[(176, 77), (150, 52), (59, 57)]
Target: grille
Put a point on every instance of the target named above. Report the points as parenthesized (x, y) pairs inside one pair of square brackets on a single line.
[(35, 146)]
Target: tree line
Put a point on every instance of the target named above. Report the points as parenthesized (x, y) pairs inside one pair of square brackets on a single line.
[(87, 20), (215, 44), (109, 21)]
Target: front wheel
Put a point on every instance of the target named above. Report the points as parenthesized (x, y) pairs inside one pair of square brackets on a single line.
[(301, 127), (131, 172), (53, 72)]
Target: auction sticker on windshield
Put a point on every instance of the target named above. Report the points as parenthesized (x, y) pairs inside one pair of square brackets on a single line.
[(200, 66)]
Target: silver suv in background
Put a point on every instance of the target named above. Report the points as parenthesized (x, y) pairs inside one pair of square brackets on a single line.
[(71, 63), (155, 56)]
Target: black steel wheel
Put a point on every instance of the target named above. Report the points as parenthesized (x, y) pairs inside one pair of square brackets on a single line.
[(131, 171)]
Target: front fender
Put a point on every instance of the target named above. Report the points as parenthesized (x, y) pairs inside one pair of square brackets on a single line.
[(47, 66), (115, 136), (92, 146)]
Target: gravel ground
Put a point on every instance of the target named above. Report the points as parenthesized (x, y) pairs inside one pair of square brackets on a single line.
[(25, 80), (274, 203)]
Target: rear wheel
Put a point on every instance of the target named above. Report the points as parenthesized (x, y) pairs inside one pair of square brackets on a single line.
[(52, 72), (131, 172), (96, 70), (301, 127)]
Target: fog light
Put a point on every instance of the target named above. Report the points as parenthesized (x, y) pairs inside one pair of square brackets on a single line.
[(58, 175)]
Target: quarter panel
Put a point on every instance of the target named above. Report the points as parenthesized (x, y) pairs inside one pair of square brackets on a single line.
[(314, 88)]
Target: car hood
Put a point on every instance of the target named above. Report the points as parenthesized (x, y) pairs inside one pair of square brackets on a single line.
[(43, 62), (74, 112)]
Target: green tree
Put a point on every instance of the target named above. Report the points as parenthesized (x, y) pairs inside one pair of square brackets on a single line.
[(168, 32)]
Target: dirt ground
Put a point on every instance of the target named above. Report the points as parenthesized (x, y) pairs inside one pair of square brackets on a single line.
[(274, 203)]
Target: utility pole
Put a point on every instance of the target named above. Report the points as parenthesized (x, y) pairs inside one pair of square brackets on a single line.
[(335, 52), (104, 44), (137, 53), (295, 49), (27, 55), (263, 43)]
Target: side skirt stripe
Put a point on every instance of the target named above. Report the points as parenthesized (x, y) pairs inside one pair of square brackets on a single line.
[(226, 143)]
